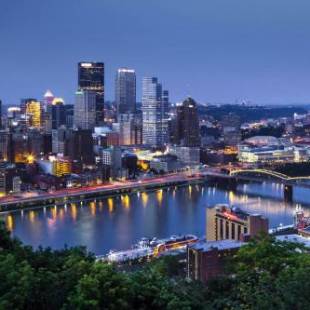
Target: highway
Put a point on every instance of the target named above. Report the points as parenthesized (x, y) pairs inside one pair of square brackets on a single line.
[(117, 187), (110, 188)]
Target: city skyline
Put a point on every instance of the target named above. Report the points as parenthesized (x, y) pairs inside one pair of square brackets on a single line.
[(214, 52)]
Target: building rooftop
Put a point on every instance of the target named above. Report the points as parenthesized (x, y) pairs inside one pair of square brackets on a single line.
[(220, 245), (232, 211), (263, 140), (294, 238)]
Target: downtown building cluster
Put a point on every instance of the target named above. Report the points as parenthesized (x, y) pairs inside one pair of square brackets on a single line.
[(48, 144)]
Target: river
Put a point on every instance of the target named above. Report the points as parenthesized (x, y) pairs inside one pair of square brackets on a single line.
[(118, 222)]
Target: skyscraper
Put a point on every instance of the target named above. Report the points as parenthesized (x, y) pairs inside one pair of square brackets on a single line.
[(153, 112), (91, 78), (34, 114), (125, 91), (85, 109), (187, 124), (58, 114)]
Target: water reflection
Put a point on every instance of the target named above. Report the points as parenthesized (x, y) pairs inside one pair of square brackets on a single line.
[(9, 222), (140, 215), (145, 198), (159, 196), (110, 205)]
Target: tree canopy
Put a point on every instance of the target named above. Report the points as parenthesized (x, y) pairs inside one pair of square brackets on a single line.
[(265, 274)]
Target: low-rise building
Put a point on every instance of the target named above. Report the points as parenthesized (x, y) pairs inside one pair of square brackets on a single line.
[(206, 259), (164, 163)]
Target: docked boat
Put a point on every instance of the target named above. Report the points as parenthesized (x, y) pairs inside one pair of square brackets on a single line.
[(148, 248)]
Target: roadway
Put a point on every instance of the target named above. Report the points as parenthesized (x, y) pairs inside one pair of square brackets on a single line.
[(100, 189)]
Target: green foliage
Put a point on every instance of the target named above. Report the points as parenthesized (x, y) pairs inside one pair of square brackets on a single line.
[(293, 169), (263, 131), (265, 274)]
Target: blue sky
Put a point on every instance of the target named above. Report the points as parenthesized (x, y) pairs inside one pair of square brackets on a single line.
[(213, 50)]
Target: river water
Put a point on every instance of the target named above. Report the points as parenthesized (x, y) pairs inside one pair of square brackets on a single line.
[(118, 222)]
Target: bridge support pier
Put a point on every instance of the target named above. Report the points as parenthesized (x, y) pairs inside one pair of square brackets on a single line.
[(288, 193)]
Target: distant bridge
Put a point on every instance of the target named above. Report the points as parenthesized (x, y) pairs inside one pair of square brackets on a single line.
[(271, 173), (258, 175)]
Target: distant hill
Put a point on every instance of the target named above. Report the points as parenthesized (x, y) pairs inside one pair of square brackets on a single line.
[(251, 113)]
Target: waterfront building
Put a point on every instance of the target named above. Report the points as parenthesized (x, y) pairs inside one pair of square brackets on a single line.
[(186, 154), (111, 158), (91, 78), (187, 124), (206, 259), (224, 222), (154, 116), (125, 91), (164, 163), (16, 184), (85, 109)]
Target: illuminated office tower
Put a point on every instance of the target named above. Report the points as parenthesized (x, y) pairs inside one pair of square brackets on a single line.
[(85, 110), (91, 78), (34, 114), (125, 91), (153, 112)]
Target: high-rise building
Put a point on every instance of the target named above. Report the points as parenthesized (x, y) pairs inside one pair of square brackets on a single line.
[(187, 124), (153, 112), (59, 139), (85, 109), (24, 102), (91, 78), (4, 145), (34, 114), (224, 222), (125, 91), (48, 98), (69, 115), (35, 142), (79, 146), (58, 113)]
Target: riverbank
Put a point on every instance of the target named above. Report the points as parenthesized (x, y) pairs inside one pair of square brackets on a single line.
[(8, 204)]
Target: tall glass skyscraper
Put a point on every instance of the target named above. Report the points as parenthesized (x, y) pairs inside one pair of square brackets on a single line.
[(85, 109), (125, 91), (91, 78), (154, 113)]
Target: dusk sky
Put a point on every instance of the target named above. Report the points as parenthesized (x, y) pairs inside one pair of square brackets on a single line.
[(213, 50)]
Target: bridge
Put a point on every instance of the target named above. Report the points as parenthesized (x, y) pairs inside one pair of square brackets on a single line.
[(257, 175)]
